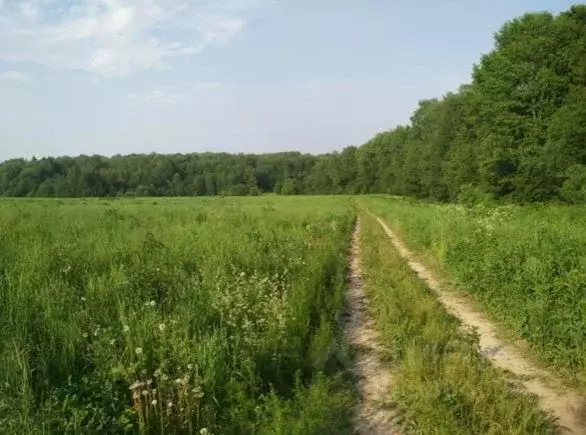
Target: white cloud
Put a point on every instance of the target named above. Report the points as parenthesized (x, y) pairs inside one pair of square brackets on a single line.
[(16, 76), (172, 95), (157, 96), (116, 37)]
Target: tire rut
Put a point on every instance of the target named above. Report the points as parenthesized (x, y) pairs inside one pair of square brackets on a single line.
[(568, 407), (374, 414)]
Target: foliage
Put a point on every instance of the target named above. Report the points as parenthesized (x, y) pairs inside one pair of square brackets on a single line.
[(525, 265), (442, 384), (513, 133), (172, 315)]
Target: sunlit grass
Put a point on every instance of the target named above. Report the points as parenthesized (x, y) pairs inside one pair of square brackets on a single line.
[(441, 383), (525, 265), (172, 315)]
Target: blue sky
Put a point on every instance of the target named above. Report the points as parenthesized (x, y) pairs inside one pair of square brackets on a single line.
[(134, 76)]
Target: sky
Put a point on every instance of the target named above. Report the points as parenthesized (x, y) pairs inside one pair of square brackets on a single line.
[(178, 76)]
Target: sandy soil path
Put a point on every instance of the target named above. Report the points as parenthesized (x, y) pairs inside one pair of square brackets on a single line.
[(373, 414), (567, 406)]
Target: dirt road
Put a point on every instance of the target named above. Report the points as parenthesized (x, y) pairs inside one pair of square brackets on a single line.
[(373, 414), (567, 406)]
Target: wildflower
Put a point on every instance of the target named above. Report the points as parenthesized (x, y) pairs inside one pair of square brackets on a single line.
[(154, 402), (242, 274), (145, 393), (165, 377), (112, 342), (152, 303), (126, 328), (84, 335), (136, 385), (190, 366), (138, 350), (83, 298), (170, 404), (177, 381), (203, 431), (162, 327)]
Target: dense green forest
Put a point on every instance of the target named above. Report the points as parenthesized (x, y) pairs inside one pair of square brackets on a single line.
[(517, 132)]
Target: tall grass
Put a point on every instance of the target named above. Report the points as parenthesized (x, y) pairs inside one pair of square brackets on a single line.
[(172, 316), (526, 265), (441, 384)]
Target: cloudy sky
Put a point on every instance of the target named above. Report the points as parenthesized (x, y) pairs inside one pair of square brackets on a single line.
[(128, 76)]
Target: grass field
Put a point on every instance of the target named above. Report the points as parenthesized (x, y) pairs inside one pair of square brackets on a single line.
[(442, 385), (525, 265), (221, 315), (172, 315)]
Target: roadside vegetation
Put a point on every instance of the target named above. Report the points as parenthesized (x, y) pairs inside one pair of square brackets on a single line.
[(441, 382), (173, 316), (524, 265)]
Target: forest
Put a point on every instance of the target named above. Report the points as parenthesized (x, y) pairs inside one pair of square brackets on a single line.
[(516, 133)]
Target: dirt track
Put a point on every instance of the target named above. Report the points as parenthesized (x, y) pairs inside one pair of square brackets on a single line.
[(373, 414), (567, 406)]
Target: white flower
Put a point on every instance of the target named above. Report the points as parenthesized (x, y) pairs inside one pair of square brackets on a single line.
[(165, 377), (170, 404), (162, 327), (152, 303), (190, 366), (136, 385), (83, 298), (84, 335), (154, 402), (112, 342), (242, 274), (203, 431), (138, 351), (125, 328)]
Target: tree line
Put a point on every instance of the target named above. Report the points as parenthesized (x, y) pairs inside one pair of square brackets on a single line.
[(516, 132)]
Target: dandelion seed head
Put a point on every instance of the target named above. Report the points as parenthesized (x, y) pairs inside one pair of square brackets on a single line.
[(136, 385)]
